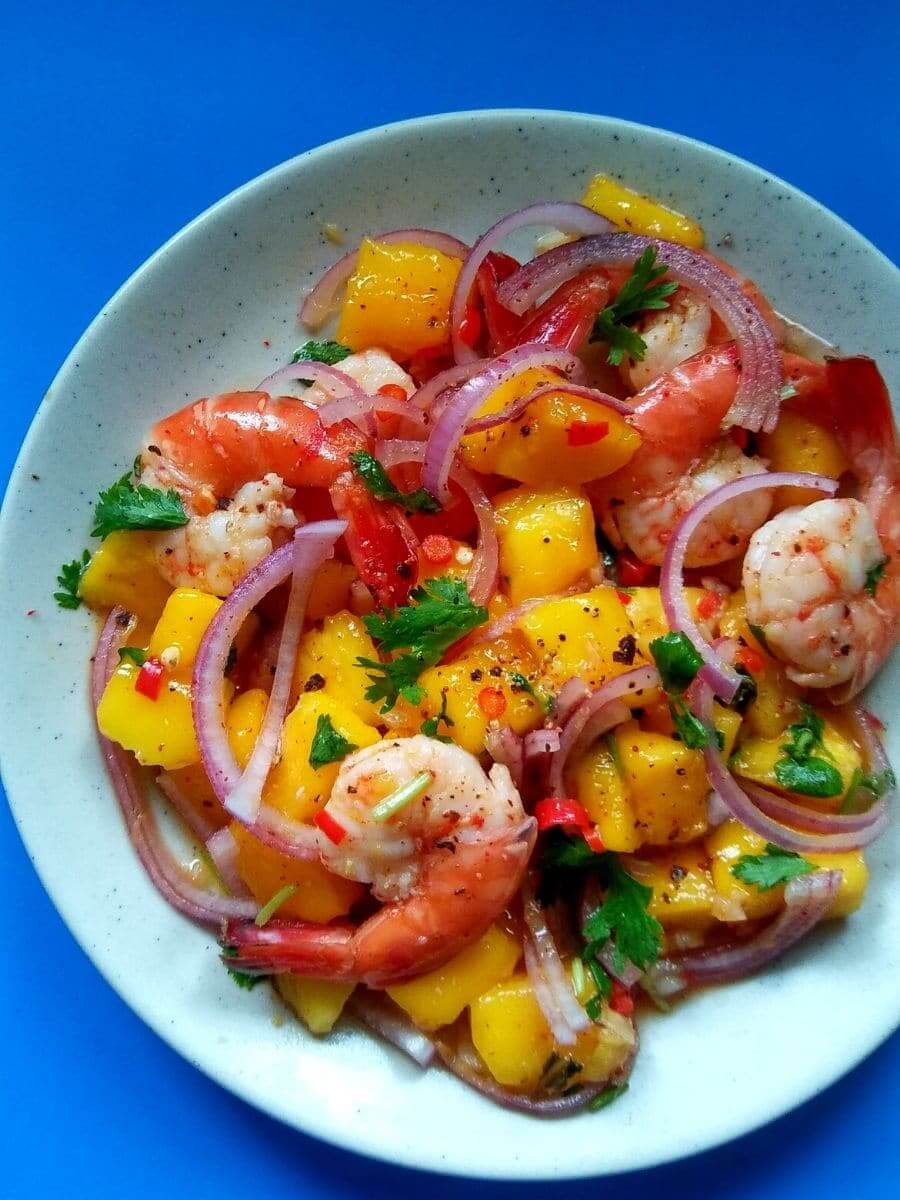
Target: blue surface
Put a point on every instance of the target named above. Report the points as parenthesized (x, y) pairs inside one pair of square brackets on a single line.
[(119, 124)]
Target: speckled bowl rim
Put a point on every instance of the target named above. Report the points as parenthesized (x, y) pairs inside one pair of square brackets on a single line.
[(311, 1123)]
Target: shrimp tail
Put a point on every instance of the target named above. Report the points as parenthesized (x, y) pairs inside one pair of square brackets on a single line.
[(458, 897)]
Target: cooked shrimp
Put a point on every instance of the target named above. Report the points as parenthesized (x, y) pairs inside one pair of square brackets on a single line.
[(447, 864), (210, 449), (214, 552), (823, 582), (647, 523), (372, 369), (672, 335)]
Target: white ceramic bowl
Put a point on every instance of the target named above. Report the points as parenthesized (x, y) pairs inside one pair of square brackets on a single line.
[(214, 310)]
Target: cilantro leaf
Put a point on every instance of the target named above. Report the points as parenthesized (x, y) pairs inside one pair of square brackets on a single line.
[(243, 980), (134, 653), (561, 850), (690, 729), (640, 293), (676, 659), (326, 352), (328, 746), (760, 635), (608, 1096), (812, 777), (69, 580), (124, 506), (874, 575), (867, 787), (799, 771), (443, 612), (771, 868), (519, 683), (379, 483), (430, 726), (623, 916)]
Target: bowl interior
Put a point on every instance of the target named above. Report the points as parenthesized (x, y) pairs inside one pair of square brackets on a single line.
[(215, 310)]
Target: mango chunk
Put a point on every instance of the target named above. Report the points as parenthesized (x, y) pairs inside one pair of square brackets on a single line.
[(547, 540), (477, 689), (181, 626), (512, 1037), (330, 591), (667, 785), (639, 213), (295, 787), (798, 444), (398, 298), (326, 661), (123, 571), (244, 721), (586, 634), (644, 611), (320, 895), (479, 450), (683, 890), (732, 841), (317, 1002), (438, 997), (601, 789), (160, 732)]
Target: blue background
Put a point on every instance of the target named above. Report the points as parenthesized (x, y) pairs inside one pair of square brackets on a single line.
[(121, 122)]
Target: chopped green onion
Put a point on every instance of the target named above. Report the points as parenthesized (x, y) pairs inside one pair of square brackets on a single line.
[(268, 910), (579, 979), (405, 795)]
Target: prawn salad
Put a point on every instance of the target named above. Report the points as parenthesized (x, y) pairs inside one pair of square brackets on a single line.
[(501, 654)]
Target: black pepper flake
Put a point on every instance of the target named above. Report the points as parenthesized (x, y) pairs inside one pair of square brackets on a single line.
[(315, 683), (626, 651), (476, 675), (404, 570), (677, 873)]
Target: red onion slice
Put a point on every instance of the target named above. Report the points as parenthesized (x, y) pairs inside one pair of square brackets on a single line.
[(818, 822), (724, 679), (541, 741), (430, 393), (571, 694), (198, 904), (468, 398), (549, 977), (388, 1020), (349, 408), (601, 711), (513, 411), (482, 580), (758, 398), (223, 850), (323, 299), (567, 217), (506, 747), (239, 793), (807, 900), (502, 625)]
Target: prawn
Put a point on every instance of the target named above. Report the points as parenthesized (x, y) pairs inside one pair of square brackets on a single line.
[(683, 455), (212, 448), (446, 865), (823, 582)]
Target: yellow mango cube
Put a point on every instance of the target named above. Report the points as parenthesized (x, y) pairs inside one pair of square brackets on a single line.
[(732, 841), (601, 790), (547, 539), (438, 997), (545, 445), (244, 721), (330, 591), (459, 685), (479, 450), (580, 635), (326, 661), (317, 1002), (160, 732), (756, 759), (510, 1033), (798, 444), (683, 889), (320, 896), (639, 213), (181, 626), (644, 611), (295, 787), (123, 571), (667, 785), (398, 298)]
